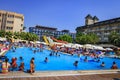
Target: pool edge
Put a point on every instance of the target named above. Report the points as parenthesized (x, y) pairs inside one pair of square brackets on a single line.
[(57, 73)]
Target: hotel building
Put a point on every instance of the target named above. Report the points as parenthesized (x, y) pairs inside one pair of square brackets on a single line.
[(11, 21), (49, 31), (101, 28)]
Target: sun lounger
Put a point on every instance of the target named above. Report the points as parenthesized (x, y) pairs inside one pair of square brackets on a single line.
[(1, 53)]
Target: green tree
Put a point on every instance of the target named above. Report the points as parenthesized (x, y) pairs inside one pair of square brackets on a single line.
[(23, 35), (65, 38), (78, 34), (2, 33), (16, 35), (19, 35), (94, 38), (31, 37), (87, 38), (8, 35), (114, 38)]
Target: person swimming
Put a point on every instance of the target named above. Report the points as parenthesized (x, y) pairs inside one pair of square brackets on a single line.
[(75, 63), (21, 58), (46, 59), (103, 64), (86, 60), (21, 67), (50, 54)]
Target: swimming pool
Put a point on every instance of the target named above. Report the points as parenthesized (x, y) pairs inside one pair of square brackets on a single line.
[(62, 62)]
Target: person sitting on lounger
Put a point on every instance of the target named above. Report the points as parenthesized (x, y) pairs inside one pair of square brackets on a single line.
[(5, 66)]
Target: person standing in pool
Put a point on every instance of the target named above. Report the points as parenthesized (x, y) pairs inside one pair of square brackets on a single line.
[(14, 63), (32, 66), (114, 66), (41, 47), (85, 60)]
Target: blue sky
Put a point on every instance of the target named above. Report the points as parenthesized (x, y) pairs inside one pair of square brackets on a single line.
[(61, 14)]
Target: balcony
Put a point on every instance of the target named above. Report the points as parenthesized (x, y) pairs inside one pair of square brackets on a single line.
[(114, 27)]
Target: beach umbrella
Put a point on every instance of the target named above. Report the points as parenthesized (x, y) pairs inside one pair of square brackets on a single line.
[(38, 42), (2, 39), (32, 42), (109, 49), (98, 48), (43, 43), (66, 45), (88, 46), (76, 46)]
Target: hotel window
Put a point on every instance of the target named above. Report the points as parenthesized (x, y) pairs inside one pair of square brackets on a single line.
[(22, 19), (58, 33), (21, 25), (106, 28), (9, 28), (112, 21), (10, 22), (33, 29), (118, 20), (11, 16), (18, 17)]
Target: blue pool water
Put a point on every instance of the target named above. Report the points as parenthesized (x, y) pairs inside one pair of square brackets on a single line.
[(62, 62)]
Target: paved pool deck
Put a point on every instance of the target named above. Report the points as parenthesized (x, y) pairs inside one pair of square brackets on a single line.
[(64, 75)]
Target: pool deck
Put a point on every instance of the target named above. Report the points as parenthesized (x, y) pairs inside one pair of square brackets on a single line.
[(64, 75)]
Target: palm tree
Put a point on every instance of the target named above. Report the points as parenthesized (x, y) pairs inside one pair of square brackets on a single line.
[(2, 33), (9, 35), (16, 35)]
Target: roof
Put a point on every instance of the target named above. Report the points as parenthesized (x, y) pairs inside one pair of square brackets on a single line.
[(110, 21), (95, 18), (44, 27), (65, 31), (88, 16)]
